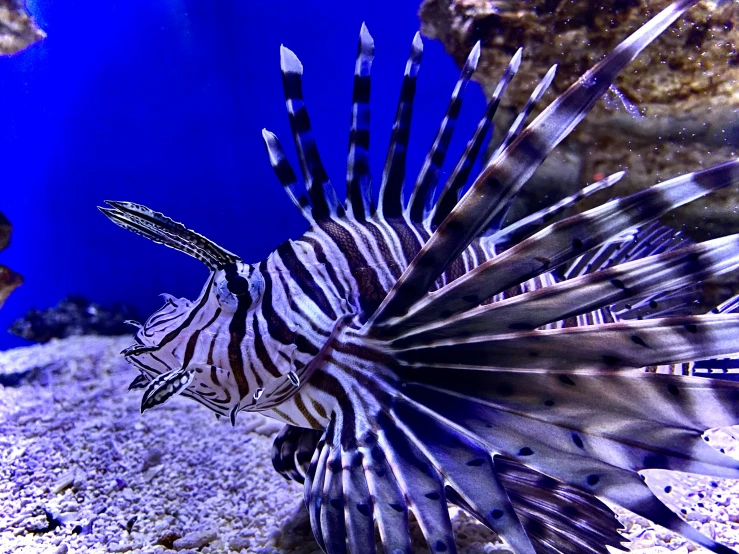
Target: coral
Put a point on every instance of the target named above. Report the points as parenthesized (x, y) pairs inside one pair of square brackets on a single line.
[(17, 29), (9, 280)]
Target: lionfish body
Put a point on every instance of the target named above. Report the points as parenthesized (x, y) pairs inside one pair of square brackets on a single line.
[(424, 353)]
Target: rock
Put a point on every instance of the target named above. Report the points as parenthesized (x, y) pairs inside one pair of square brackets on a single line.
[(153, 458), (74, 316), (239, 543), (61, 549), (63, 482), (194, 540), (295, 531)]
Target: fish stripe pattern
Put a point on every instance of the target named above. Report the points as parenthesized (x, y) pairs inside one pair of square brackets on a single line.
[(428, 353)]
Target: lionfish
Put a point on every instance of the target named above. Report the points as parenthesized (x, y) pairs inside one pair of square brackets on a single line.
[(423, 352)]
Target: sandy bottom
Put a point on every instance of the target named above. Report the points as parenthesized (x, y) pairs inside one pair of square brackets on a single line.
[(81, 470)]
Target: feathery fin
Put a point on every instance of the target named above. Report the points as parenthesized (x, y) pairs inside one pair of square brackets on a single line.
[(561, 242), (655, 274)]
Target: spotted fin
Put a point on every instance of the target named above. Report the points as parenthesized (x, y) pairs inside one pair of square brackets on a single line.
[(591, 431), (557, 516), (399, 471), (165, 387), (554, 514)]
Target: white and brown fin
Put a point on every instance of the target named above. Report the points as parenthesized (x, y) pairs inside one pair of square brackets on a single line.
[(645, 278), (449, 194), (285, 174), (521, 229), (320, 190), (563, 425), (556, 245), (420, 201), (513, 132), (359, 201), (557, 517), (393, 176)]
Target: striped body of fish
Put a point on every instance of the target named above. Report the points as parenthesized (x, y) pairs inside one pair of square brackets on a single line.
[(422, 352)]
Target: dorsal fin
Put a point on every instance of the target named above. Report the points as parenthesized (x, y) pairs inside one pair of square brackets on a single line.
[(419, 203), (320, 189), (458, 179), (520, 121), (393, 176), (358, 178), (285, 173), (513, 132), (516, 232)]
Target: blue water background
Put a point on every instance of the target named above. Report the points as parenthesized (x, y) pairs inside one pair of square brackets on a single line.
[(162, 103)]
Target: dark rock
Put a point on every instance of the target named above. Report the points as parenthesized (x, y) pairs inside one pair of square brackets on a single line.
[(196, 539), (74, 315), (153, 458)]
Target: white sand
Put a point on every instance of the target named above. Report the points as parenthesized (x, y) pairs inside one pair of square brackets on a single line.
[(74, 445)]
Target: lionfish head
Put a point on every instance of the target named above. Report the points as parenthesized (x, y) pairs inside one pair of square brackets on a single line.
[(178, 349)]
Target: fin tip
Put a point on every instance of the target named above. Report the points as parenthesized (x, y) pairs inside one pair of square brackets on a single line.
[(289, 62)]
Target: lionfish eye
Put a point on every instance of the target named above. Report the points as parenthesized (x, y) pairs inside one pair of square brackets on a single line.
[(238, 285)]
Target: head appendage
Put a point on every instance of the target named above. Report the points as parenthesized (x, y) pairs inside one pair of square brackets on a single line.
[(163, 230)]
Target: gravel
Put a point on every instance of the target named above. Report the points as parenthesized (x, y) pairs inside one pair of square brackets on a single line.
[(82, 471)]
